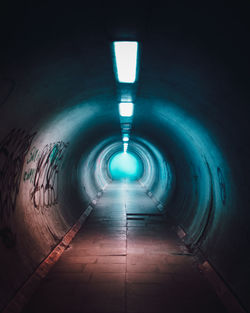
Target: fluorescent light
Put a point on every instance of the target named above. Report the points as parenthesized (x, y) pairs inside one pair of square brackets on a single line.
[(126, 60), (126, 108), (125, 147), (125, 138)]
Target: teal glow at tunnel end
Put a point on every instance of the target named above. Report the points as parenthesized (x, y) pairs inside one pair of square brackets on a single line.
[(125, 166)]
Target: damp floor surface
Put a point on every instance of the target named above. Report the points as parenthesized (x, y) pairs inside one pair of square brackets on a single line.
[(126, 258)]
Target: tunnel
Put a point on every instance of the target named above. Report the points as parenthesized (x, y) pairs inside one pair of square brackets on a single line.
[(165, 187)]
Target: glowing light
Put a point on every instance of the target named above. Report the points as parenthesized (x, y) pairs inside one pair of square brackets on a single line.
[(126, 60), (125, 138), (125, 147), (125, 166), (126, 97), (126, 109)]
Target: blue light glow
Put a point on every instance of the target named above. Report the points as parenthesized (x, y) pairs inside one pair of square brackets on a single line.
[(125, 138), (126, 60), (125, 147), (125, 166), (126, 109)]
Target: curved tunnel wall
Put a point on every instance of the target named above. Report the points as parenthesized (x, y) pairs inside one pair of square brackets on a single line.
[(94, 176), (197, 206), (62, 120)]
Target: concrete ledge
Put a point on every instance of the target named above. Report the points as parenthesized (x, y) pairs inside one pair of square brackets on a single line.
[(149, 193), (180, 232), (25, 292), (223, 292)]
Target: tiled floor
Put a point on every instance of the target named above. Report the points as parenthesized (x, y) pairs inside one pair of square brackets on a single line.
[(122, 261)]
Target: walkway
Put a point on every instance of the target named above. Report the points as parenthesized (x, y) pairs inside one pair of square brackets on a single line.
[(124, 262)]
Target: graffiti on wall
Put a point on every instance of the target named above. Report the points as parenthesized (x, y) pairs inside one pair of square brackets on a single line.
[(13, 149), (44, 192), (43, 176), (32, 157)]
